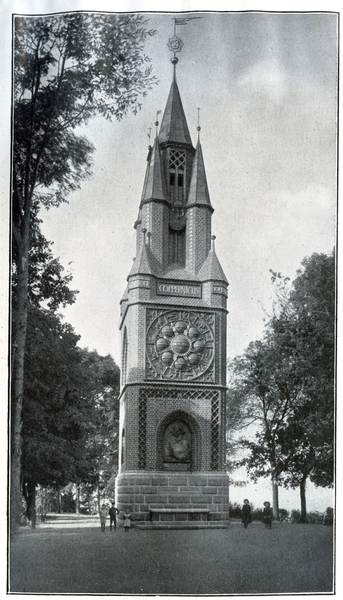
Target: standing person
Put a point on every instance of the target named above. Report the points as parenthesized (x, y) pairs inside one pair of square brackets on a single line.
[(127, 521), (246, 513), (103, 516), (267, 515), (113, 512)]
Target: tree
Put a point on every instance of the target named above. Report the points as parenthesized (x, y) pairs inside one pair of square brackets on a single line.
[(64, 386), (102, 440), (57, 408), (67, 69), (286, 382), (307, 331), (48, 284), (266, 391)]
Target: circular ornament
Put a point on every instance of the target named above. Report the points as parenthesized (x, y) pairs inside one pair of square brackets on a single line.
[(180, 326), (167, 332), (167, 358), (162, 344), (180, 345)]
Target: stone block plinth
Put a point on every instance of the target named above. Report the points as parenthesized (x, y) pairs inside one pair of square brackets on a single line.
[(181, 497)]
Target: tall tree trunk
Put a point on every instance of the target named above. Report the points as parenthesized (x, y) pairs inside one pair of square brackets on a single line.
[(17, 384), (303, 513), (275, 489), (31, 503)]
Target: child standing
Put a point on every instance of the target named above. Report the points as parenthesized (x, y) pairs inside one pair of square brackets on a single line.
[(267, 515), (246, 513), (127, 521), (103, 515)]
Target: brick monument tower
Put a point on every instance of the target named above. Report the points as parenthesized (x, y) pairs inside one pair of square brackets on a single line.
[(173, 327)]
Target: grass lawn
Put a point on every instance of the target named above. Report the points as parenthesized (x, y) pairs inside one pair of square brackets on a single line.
[(71, 555)]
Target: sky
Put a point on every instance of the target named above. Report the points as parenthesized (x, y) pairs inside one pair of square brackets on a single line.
[(266, 84)]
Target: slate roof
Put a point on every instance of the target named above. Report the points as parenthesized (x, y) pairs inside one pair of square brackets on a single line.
[(198, 191), (174, 126)]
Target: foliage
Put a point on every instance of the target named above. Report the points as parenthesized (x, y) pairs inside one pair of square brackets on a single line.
[(68, 68), (308, 336), (328, 517), (68, 502), (283, 515), (63, 395), (263, 387), (235, 510), (57, 407), (102, 441), (283, 385), (48, 285)]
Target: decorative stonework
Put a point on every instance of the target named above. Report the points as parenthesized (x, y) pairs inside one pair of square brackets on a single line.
[(180, 345), (177, 443), (142, 431), (215, 415)]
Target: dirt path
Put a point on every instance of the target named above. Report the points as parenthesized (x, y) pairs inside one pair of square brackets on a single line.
[(76, 557)]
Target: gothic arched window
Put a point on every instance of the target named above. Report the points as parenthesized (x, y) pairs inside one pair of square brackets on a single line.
[(177, 164), (177, 246)]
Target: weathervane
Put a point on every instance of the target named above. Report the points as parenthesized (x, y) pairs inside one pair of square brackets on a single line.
[(175, 44)]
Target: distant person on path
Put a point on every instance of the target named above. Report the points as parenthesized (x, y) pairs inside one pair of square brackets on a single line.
[(267, 515), (127, 521), (113, 512), (103, 516), (246, 513)]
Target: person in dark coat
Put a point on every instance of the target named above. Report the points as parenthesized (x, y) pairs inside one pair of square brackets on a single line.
[(113, 512), (267, 515), (246, 513)]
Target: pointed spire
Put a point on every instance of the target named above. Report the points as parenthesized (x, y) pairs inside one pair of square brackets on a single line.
[(145, 263), (174, 126), (211, 270), (198, 191), (153, 186)]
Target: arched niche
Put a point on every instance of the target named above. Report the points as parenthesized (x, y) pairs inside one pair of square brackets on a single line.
[(178, 443)]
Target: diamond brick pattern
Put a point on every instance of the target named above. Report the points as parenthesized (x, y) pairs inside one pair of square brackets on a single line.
[(142, 430), (215, 416)]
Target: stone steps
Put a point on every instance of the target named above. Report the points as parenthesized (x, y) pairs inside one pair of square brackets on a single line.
[(150, 525)]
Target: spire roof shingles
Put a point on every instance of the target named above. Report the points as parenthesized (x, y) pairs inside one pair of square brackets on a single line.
[(198, 191), (174, 126)]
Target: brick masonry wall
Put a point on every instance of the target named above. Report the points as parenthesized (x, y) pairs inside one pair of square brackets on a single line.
[(139, 492), (198, 237), (155, 217), (145, 413)]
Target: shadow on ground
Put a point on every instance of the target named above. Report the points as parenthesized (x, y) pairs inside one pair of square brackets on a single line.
[(70, 554)]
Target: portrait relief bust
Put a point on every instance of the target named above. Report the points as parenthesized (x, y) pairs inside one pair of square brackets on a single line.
[(177, 443)]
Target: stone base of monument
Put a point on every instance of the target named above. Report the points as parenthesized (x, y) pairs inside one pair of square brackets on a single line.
[(174, 500)]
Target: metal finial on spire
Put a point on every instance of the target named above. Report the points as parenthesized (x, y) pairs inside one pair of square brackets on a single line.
[(198, 128), (213, 237), (156, 122), (175, 44)]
